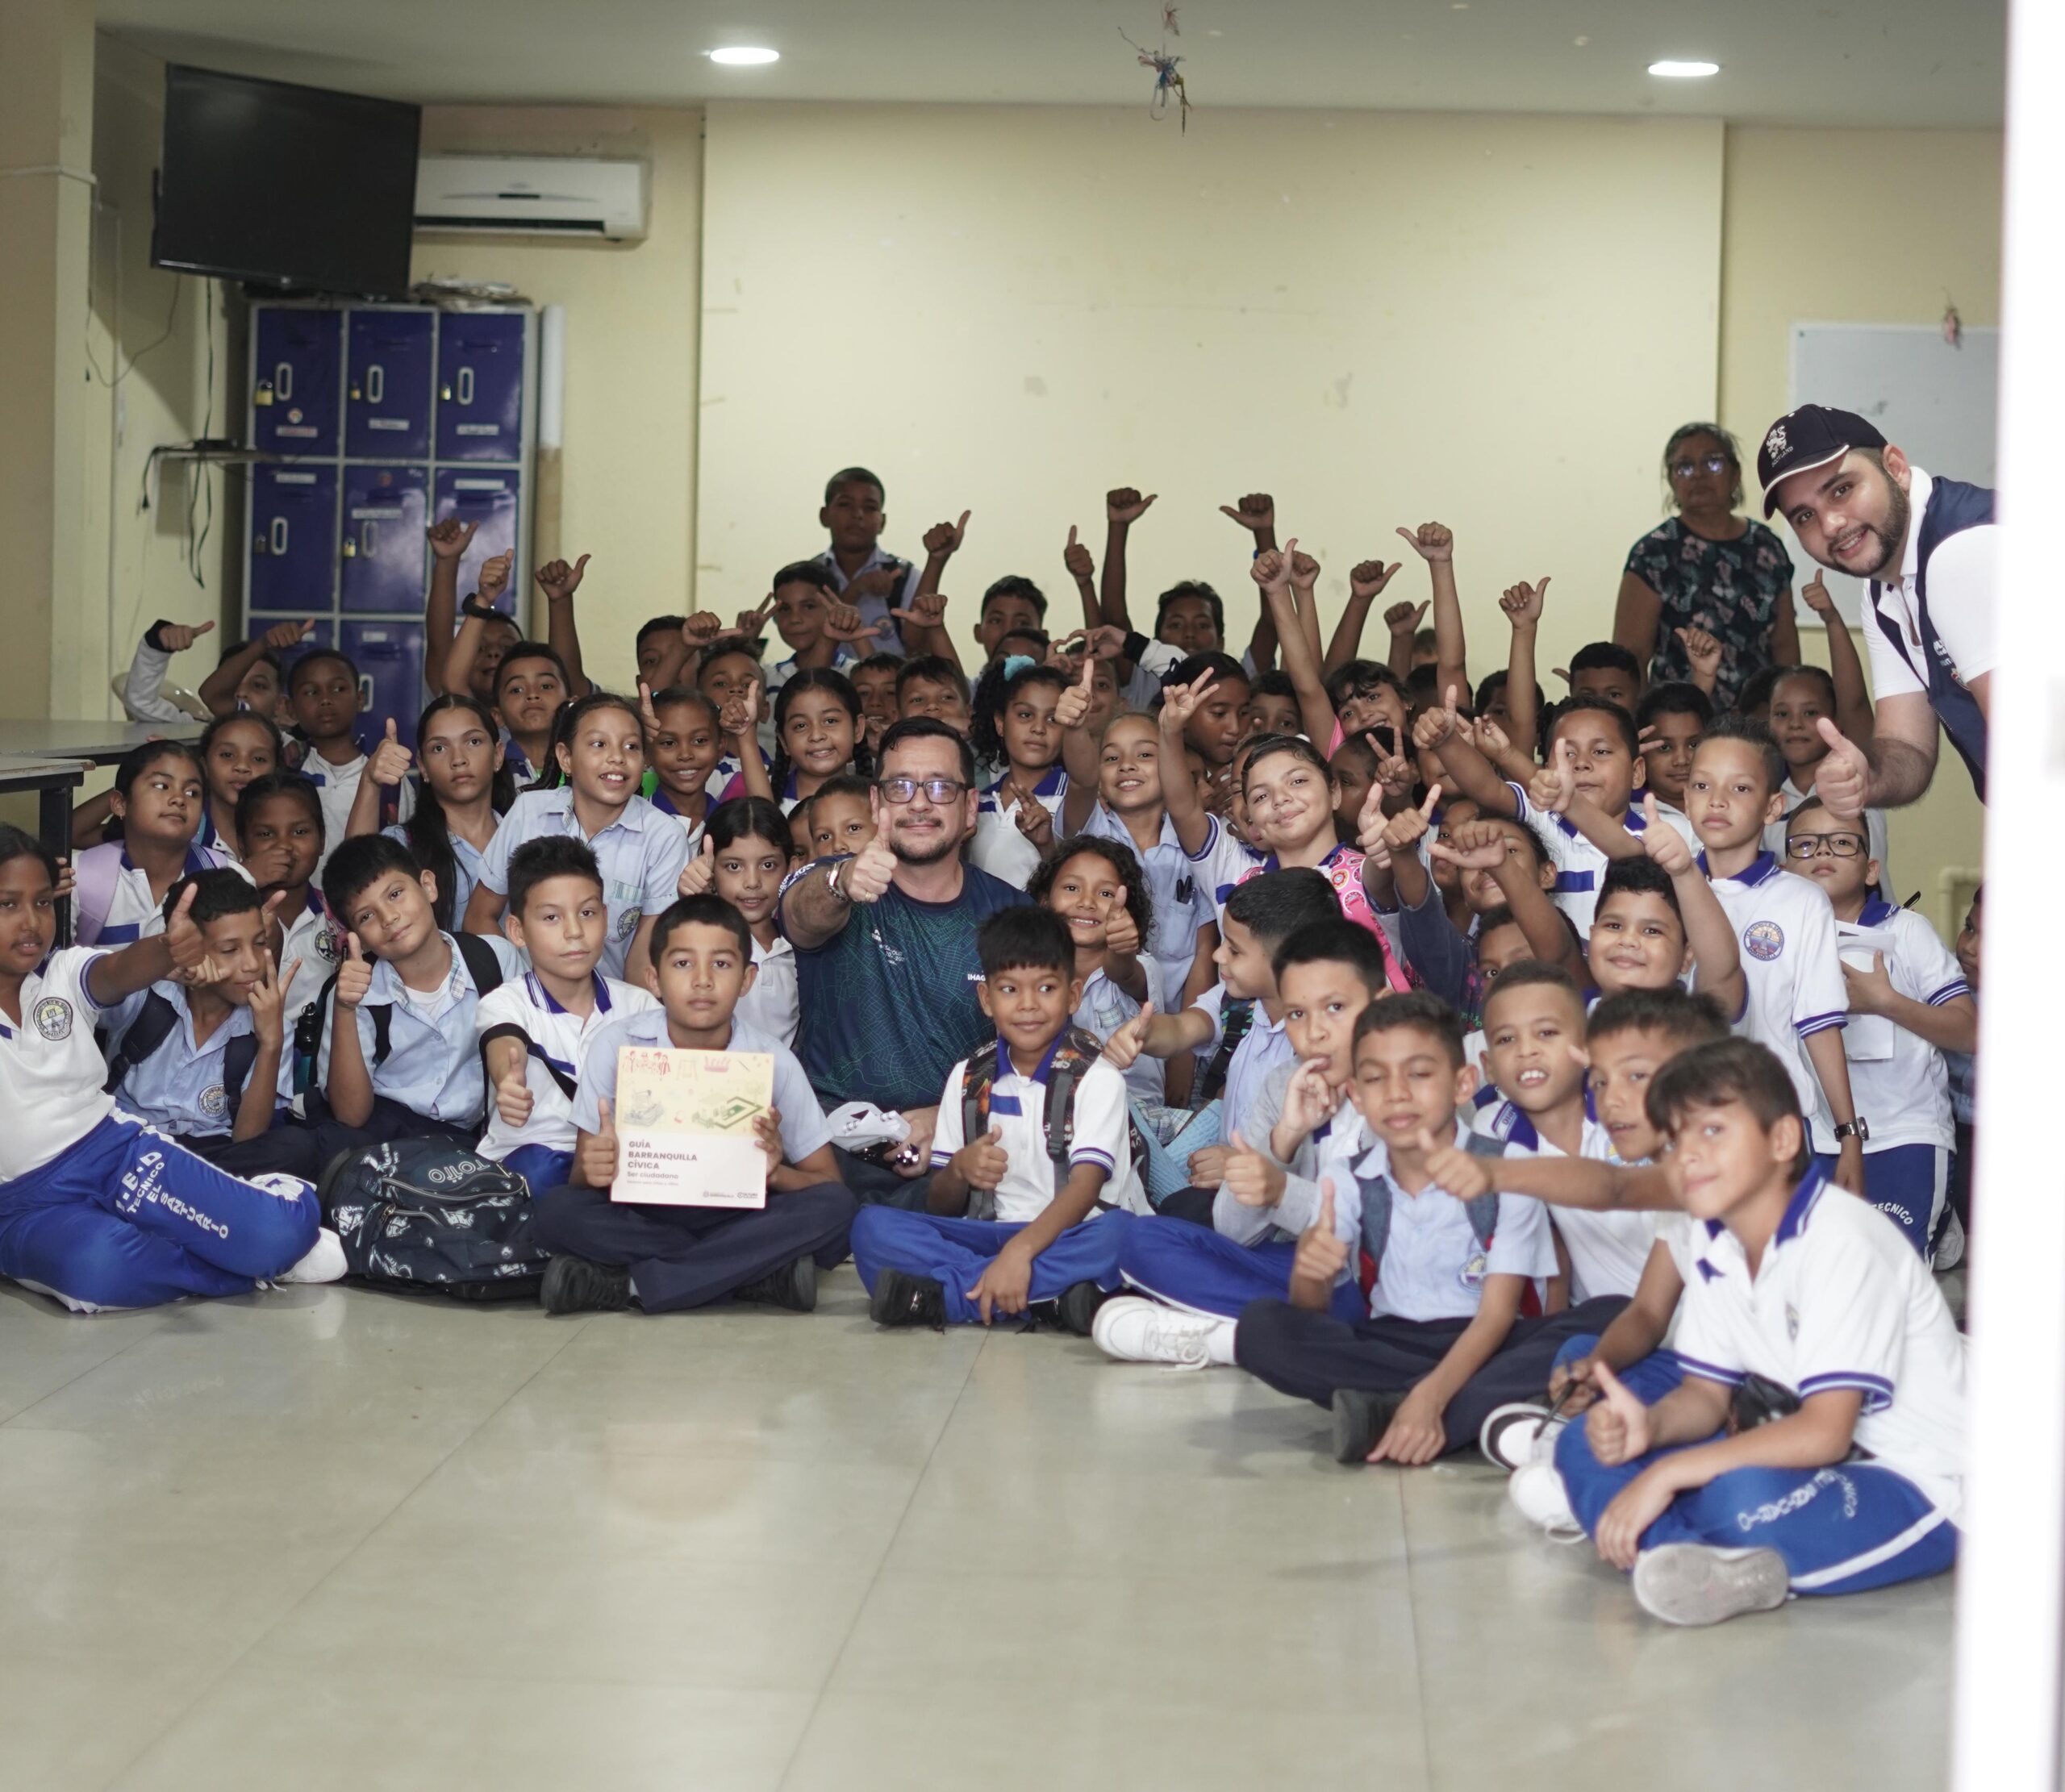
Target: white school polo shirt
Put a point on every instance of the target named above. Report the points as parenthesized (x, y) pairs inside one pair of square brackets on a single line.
[(771, 1006), (1607, 1247), (317, 947), (554, 1039), (181, 1086), (1018, 1110), (692, 831), (133, 913), (1841, 1300), (640, 854), (803, 1125), (1180, 890), (1580, 866), (1224, 862), (1900, 1082), (1105, 1008), (51, 1071), (1787, 933), (1963, 581), (999, 847), (1875, 832), (336, 789)]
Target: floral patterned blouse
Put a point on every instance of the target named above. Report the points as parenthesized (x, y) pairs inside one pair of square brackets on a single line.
[(1731, 588)]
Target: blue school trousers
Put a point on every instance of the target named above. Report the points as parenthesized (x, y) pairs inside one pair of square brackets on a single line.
[(955, 1252), (1842, 1529), (1906, 1183), (690, 1256), (1183, 1264), (126, 1218), (1648, 1379), (540, 1166)]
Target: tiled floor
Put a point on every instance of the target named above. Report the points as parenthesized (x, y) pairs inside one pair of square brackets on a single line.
[(320, 1539)]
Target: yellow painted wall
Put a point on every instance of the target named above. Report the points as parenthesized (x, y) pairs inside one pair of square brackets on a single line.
[(1929, 202), (1381, 317), (629, 457)]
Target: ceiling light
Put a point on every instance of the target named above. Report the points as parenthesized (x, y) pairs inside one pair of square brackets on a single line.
[(1684, 71), (745, 56)]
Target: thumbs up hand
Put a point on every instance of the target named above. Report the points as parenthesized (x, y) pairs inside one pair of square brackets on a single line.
[(1123, 1048), (595, 1158), (983, 1164), (1617, 1426), (1843, 780), (354, 976), (696, 876), (1321, 1255), (1072, 707), (390, 761)]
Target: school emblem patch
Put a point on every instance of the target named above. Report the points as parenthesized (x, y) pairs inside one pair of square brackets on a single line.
[(1764, 941), (53, 1016), (329, 946), (628, 923), (215, 1103)]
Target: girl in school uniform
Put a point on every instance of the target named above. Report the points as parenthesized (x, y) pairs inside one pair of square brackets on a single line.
[(279, 832), (599, 750), (684, 739), (820, 734), (745, 859), (160, 797), (463, 789), (1096, 887), (236, 750), (1015, 706), (96, 1208)]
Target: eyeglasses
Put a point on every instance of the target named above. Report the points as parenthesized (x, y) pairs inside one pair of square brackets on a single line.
[(1813, 846), (905, 790), (1685, 469)]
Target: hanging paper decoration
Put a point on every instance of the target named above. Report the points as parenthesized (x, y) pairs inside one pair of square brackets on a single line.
[(1168, 78)]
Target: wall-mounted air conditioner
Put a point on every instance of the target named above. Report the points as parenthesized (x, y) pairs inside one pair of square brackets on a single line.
[(532, 196)]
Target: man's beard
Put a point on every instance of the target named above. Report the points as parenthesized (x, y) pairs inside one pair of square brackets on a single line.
[(1891, 537), (943, 847)]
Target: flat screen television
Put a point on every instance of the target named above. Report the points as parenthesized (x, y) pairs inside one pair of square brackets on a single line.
[(297, 188)]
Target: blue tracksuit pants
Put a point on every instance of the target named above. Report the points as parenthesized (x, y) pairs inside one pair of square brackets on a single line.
[(1192, 1267), (955, 1252)]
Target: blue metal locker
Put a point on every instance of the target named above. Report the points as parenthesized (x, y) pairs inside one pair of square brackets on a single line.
[(390, 365), (293, 540), (295, 366), (383, 551), (390, 659), (488, 498), (480, 385)]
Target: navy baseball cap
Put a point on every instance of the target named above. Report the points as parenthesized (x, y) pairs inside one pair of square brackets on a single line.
[(1811, 436)]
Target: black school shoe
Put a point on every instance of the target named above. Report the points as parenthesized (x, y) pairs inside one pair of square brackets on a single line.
[(793, 1285), (1359, 1419), (902, 1299), (1077, 1308), (574, 1284)]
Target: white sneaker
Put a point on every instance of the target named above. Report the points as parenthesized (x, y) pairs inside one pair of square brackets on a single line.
[(1137, 1331), (1509, 1433), (1536, 1491), (324, 1262), (1949, 1250), (1695, 1583)]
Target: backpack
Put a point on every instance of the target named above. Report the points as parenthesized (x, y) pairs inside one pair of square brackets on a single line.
[(481, 965), (154, 1024), (95, 873), (422, 1214), (1235, 1019), (1376, 1210), (1074, 1053)]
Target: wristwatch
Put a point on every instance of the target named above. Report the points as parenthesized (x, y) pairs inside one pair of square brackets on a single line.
[(473, 607), (1859, 1129), (832, 881)]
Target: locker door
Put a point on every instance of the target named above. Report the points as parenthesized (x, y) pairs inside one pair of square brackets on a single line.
[(382, 551), (293, 540), (489, 498), (389, 367), (480, 385), (390, 659), (293, 400)]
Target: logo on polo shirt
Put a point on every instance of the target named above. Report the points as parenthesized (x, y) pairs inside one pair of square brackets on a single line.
[(1473, 1273), (215, 1103), (1764, 941), (628, 925), (53, 1016), (329, 947)]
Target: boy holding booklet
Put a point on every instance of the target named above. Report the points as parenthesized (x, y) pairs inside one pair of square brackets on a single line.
[(612, 1253)]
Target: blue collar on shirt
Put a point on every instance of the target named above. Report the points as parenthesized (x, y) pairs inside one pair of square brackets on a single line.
[(660, 800), (1798, 1211), (1005, 1067), (1339, 847), (1376, 1160), (1760, 870), (1048, 787), (1875, 913), (198, 859), (551, 1002)]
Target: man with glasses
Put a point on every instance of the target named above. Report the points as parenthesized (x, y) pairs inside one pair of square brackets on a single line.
[(1927, 545), (886, 967)]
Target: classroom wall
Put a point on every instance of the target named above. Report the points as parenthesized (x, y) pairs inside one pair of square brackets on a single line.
[(1933, 198), (631, 327)]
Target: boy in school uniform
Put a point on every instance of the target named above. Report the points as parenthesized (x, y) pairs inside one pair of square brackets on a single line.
[(610, 1254), (323, 687), (1909, 1004), (202, 1061), (1858, 1483), (279, 832), (1012, 1222), (1445, 1343), (818, 628), (874, 582), (534, 1029), (399, 1057)]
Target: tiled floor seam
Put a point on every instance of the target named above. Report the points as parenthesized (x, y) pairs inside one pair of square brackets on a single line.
[(52, 1394)]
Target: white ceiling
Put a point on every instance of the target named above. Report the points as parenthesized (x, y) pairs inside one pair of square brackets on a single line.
[(1840, 62)]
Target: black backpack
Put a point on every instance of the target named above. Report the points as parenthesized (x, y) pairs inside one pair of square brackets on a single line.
[(1236, 1020), (1076, 1053), (422, 1214), (154, 1024), (481, 965)]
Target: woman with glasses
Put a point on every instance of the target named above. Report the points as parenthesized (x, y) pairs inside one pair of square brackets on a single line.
[(1708, 567)]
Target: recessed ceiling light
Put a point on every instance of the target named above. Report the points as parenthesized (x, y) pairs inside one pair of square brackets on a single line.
[(745, 56), (1684, 71)]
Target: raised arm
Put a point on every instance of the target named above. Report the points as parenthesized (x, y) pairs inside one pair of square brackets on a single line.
[(383, 772), (466, 646), (1523, 604), (1179, 793), (1483, 846), (1272, 571), (1853, 714), (1435, 543), (1466, 770), (1893, 770), (449, 539), (559, 581), (1256, 513), (1081, 567), (1078, 751), (1717, 959), (141, 701), (816, 908), (1123, 507), (1366, 585), (218, 688)]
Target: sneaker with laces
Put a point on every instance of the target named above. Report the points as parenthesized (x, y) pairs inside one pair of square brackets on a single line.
[(1360, 1419), (574, 1284), (1950, 1247), (1696, 1583), (793, 1285), (1135, 1330), (1536, 1491), (324, 1260), (1509, 1433), (903, 1300)]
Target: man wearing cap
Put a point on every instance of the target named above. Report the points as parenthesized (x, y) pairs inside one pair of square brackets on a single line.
[(1927, 545)]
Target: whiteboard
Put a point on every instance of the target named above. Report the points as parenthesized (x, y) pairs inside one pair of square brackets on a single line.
[(1934, 402)]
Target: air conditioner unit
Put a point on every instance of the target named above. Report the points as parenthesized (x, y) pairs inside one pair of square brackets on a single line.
[(532, 196)]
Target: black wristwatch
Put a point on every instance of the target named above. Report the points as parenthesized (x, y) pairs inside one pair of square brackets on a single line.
[(473, 607), (1859, 1129)]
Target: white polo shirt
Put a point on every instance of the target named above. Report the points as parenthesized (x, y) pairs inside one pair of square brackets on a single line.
[(317, 948), (336, 789), (1608, 1248), (640, 853), (51, 1071), (1224, 861), (1580, 866), (1841, 1300), (999, 848), (554, 1039), (132, 912), (1964, 573), (1788, 934), (771, 1006), (1900, 1082), (1018, 1110)]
